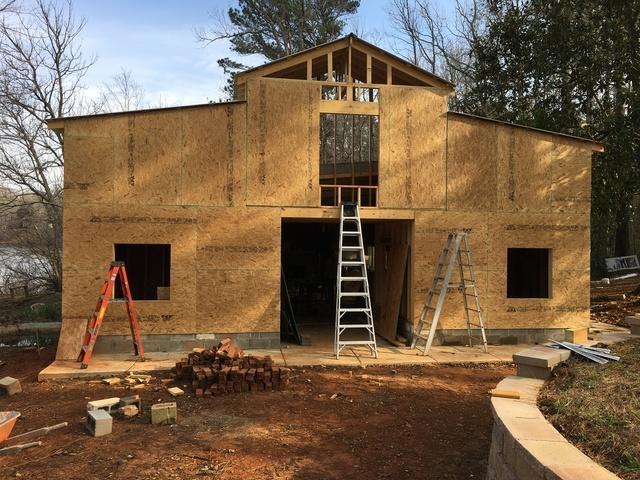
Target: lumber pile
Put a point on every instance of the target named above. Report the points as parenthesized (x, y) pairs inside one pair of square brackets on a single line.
[(226, 369)]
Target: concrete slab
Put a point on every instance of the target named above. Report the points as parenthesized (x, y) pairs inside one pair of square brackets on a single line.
[(103, 365)]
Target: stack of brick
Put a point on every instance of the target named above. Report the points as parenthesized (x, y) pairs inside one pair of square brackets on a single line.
[(227, 369)]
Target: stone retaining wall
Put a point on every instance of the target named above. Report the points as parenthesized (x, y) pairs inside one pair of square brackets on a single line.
[(525, 446)]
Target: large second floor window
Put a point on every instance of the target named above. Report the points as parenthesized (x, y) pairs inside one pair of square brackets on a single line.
[(349, 153)]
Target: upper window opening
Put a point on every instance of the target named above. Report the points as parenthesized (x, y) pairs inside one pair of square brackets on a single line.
[(148, 270), (528, 272)]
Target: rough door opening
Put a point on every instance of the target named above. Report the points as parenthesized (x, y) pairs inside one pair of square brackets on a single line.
[(528, 271), (148, 268), (309, 265)]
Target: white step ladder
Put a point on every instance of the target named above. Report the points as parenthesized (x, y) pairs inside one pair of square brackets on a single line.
[(456, 250), (353, 300)]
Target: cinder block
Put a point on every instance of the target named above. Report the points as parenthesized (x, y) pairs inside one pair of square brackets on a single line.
[(128, 411), (163, 413), (131, 400), (530, 371), (99, 423), (10, 386), (106, 404)]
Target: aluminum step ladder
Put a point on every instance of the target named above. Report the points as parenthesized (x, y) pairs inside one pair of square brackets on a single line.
[(354, 317), (456, 251)]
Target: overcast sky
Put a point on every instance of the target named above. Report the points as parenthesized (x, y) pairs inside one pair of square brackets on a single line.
[(154, 39)]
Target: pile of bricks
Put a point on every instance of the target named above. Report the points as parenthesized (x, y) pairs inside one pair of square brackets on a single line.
[(227, 369)]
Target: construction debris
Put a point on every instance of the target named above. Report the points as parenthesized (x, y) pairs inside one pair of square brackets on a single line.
[(214, 372), (112, 381), (99, 423), (598, 355), (128, 411), (164, 413), (131, 400), (17, 448), (10, 386), (175, 391), (106, 404)]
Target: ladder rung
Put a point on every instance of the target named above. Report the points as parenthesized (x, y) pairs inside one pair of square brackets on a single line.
[(351, 234), (474, 310), (351, 248), (356, 342), (349, 309), (352, 263), (351, 279), (354, 294), (363, 325)]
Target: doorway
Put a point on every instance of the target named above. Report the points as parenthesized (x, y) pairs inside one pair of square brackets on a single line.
[(309, 263)]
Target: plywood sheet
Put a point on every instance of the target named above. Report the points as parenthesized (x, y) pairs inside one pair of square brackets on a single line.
[(412, 148), (392, 248), (283, 142), (213, 156), (472, 166)]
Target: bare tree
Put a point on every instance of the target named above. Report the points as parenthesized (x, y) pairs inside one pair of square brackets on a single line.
[(122, 93), (426, 38), (41, 68)]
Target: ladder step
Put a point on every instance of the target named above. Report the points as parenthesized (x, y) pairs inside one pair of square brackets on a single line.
[(352, 263), (363, 325), (357, 342), (350, 234), (351, 279), (351, 248), (355, 294), (355, 310)]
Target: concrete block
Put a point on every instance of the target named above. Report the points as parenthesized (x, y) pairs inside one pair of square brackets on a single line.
[(106, 404), (99, 423), (131, 400), (175, 391), (10, 386), (530, 371), (634, 324), (163, 413), (128, 411)]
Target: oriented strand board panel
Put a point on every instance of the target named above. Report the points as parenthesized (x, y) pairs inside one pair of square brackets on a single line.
[(472, 166), (392, 247), (412, 166), (238, 270), (571, 175), (490, 235), (148, 158), (213, 156), (90, 233), (283, 143)]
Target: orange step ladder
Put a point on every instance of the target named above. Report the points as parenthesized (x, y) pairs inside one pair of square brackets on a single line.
[(94, 324)]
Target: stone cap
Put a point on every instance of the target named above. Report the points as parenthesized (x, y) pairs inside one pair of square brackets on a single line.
[(531, 445), (541, 356)]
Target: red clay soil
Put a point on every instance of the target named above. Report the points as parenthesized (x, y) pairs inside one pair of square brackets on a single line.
[(612, 303), (406, 422)]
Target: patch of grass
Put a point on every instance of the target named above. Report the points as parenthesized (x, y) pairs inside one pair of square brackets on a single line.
[(597, 407)]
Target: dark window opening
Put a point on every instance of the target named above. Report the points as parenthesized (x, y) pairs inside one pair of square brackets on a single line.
[(148, 270), (528, 272)]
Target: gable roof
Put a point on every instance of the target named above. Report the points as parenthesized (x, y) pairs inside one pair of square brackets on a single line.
[(349, 40)]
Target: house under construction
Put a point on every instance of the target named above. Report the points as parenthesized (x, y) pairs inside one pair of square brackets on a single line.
[(210, 205)]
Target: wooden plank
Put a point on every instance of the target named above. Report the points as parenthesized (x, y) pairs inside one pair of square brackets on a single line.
[(352, 108), (392, 248)]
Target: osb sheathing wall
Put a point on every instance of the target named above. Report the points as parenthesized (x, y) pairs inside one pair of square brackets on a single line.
[(210, 180), (174, 177), (511, 187)]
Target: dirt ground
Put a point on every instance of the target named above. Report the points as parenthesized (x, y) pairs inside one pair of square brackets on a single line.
[(611, 303), (405, 422)]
